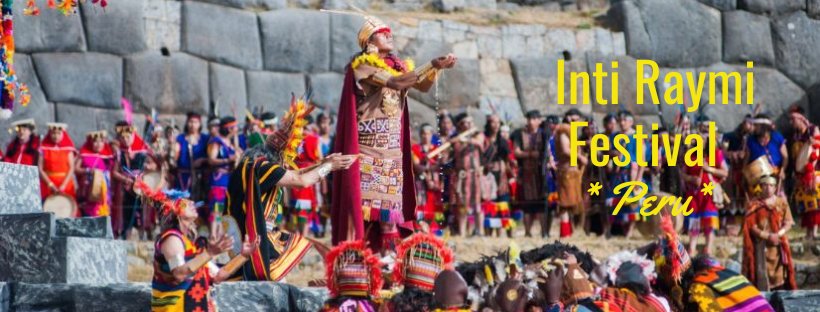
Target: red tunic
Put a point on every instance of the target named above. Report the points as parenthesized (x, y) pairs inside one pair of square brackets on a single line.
[(57, 165), (24, 155), (305, 198)]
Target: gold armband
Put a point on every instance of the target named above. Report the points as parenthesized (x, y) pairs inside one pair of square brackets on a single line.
[(235, 264), (426, 72), (380, 78), (198, 262)]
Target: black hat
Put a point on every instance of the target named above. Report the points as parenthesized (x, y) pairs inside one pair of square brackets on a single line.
[(533, 114), (461, 117), (610, 116), (573, 112), (227, 121), (554, 119)]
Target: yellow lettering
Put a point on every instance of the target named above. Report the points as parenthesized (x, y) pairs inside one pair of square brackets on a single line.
[(678, 208), (696, 91), (655, 149), (640, 137), (594, 149), (626, 198), (574, 142), (574, 87), (725, 87), (750, 83), (712, 143), (614, 84), (599, 75), (677, 88), (560, 81), (621, 161), (647, 204), (648, 81), (698, 149), (671, 153)]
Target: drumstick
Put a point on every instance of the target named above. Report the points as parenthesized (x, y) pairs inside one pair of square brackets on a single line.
[(447, 144)]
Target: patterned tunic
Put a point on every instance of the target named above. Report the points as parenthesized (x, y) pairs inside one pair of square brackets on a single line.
[(531, 178), (192, 294)]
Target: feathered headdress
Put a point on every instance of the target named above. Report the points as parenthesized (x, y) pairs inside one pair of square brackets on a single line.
[(169, 202), (420, 258), (290, 136), (353, 271), (615, 261), (671, 257)]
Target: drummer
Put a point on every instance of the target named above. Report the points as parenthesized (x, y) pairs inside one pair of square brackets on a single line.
[(56, 163), (24, 149), (767, 142), (94, 167), (131, 152), (805, 191)]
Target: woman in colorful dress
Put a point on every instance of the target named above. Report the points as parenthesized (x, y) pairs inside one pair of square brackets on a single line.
[(465, 196), (56, 163), (94, 167), (496, 157), (705, 217), (428, 181), (183, 272), (192, 157), (25, 148), (304, 200), (806, 193), (222, 156)]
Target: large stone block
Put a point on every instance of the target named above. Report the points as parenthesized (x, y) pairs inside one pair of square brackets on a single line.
[(457, 87), (796, 301), (26, 250), (228, 85), (43, 297), (91, 227), (771, 7), (536, 80), (265, 296), (327, 89), (747, 37), (5, 291), (273, 90), (813, 8), (252, 4), (419, 115), (795, 40), (627, 92), (559, 40), (120, 29), (173, 84), (131, 297), (344, 42), (723, 5), (771, 89), (682, 32), (49, 32), (290, 46), (233, 40), (94, 260), (629, 19), (92, 79), (496, 78), (80, 119), (162, 24), (19, 189)]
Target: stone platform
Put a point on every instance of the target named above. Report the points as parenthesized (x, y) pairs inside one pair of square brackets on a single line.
[(136, 297)]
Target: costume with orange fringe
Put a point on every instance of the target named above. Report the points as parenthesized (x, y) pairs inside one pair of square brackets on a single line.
[(254, 199), (419, 260), (167, 294), (354, 278)]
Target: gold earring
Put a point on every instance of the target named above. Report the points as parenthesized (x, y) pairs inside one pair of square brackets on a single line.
[(371, 49)]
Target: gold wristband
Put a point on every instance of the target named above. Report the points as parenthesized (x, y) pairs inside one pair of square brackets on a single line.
[(380, 78), (198, 262), (426, 72), (235, 264)]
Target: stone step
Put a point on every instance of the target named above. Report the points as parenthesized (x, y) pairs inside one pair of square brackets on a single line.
[(136, 297), (93, 227), (19, 189), (31, 252)]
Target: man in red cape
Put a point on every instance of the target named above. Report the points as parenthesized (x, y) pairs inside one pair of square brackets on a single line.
[(377, 196)]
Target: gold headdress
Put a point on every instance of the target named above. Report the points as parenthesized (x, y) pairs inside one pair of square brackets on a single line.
[(371, 25), (22, 123), (56, 125), (97, 134)]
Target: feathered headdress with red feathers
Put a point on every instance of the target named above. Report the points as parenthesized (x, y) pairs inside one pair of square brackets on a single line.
[(420, 258), (353, 271), (290, 136), (671, 258), (170, 203)]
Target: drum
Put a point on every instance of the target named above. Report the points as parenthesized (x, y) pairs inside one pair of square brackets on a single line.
[(651, 227), (803, 157), (757, 169), (61, 205), (152, 179), (96, 192), (231, 228)]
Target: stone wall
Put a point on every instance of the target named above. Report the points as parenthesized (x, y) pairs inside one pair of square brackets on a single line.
[(179, 56)]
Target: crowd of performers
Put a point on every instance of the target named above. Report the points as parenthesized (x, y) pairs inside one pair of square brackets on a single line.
[(256, 191)]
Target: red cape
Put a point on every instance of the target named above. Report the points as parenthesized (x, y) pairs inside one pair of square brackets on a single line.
[(347, 195)]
